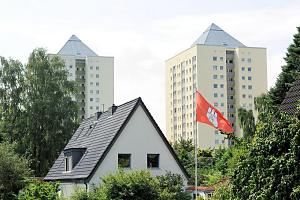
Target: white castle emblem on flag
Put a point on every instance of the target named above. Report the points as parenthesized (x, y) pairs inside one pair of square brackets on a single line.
[(212, 116)]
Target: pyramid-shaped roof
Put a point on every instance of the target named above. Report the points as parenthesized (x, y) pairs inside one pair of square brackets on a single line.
[(75, 47), (214, 35)]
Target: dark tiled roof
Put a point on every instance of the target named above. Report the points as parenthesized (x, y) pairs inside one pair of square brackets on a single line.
[(95, 140), (291, 100), (98, 140)]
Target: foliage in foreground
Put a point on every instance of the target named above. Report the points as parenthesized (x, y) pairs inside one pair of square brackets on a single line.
[(271, 168), (138, 185), (40, 190), (14, 171)]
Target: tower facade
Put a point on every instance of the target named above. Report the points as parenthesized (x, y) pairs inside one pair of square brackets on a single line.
[(93, 74), (225, 71)]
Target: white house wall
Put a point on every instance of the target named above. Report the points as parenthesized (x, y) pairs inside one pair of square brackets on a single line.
[(138, 138)]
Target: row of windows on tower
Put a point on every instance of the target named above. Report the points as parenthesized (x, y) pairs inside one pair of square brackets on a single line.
[(249, 69), (215, 58), (248, 60), (92, 83), (231, 88), (91, 67), (92, 91), (249, 78)]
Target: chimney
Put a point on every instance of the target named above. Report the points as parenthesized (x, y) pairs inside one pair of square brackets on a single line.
[(97, 115), (112, 109)]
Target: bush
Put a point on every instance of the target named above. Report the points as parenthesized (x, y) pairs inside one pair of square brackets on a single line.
[(40, 191), (80, 194), (14, 171), (138, 185)]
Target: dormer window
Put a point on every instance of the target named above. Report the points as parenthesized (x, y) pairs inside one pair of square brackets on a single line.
[(68, 163), (72, 157)]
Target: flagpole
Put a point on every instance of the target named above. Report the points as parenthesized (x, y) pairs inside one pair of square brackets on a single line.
[(196, 163), (195, 143)]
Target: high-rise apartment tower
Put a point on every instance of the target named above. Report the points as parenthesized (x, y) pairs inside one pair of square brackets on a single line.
[(93, 74), (225, 71)]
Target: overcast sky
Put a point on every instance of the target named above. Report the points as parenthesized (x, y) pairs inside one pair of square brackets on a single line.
[(142, 34)]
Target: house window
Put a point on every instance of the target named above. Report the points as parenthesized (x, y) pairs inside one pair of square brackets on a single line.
[(215, 58), (97, 83), (250, 87), (215, 94), (221, 67), (97, 75), (97, 67), (153, 160), (221, 85), (243, 68), (243, 77), (124, 160), (249, 78), (215, 85), (68, 163), (91, 67), (221, 58), (249, 69), (215, 67)]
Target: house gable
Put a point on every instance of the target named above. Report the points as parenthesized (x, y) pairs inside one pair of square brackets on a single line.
[(140, 136)]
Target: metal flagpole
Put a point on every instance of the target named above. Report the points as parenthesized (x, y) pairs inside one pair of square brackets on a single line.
[(196, 162), (195, 143)]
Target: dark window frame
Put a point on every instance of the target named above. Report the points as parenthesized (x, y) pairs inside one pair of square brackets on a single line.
[(153, 164), (124, 157)]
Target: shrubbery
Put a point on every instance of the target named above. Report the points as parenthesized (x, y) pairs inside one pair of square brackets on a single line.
[(137, 185)]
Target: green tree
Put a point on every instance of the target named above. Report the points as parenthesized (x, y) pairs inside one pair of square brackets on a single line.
[(171, 187), (14, 171), (185, 152), (37, 109), (270, 169), (289, 71), (51, 113), (11, 98), (246, 122), (40, 191)]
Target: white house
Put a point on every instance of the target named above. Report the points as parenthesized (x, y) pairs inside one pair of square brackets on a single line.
[(125, 136)]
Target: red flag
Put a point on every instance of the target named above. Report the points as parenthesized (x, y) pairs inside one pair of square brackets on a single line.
[(208, 114)]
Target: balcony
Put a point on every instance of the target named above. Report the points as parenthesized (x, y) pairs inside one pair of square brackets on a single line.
[(230, 110), (81, 104), (230, 101), (230, 92), (80, 73)]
